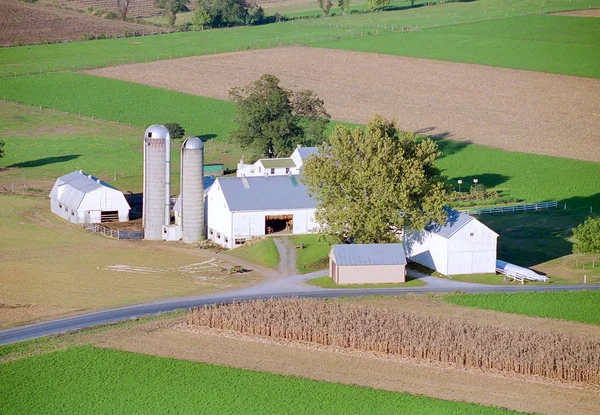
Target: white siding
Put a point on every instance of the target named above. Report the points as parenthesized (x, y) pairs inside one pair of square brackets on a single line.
[(428, 249), (247, 224), (472, 250), (91, 206), (219, 217)]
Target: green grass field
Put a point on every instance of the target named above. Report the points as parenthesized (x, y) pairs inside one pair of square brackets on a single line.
[(327, 282), (91, 380), (262, 253), (568, 50), (314, 254), (580, 306)]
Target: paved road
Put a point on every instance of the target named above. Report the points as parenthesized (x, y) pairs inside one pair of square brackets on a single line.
[(292, 286)]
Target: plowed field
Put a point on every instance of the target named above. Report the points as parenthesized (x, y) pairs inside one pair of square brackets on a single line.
[(22, 23), (517, 110)]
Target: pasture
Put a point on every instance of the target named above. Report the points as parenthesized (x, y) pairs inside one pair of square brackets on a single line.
[(580, 306), (93, 380)]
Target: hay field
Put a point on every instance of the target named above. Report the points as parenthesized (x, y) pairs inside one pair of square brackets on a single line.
[(514, 110), (51, 268)]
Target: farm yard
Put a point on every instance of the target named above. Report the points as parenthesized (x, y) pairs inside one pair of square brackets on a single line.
[(507, 88)]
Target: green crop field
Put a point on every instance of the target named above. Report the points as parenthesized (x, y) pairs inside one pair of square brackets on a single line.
[(567, 44), (580, 306), (91, 380)]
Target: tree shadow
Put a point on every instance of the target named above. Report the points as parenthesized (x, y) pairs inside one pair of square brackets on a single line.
[(489, 180), (206, 137), (45, 161), (449, 147)]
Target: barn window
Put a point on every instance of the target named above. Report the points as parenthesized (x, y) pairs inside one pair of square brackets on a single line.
[(210, 231), (287, 170), (72, 213), (218, 235), (272, 171), (260, 169), (226, 240), (472, 234), (60, 205)]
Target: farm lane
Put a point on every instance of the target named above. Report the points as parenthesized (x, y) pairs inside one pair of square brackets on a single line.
[(287, 255), (292, 286), (517, 110)]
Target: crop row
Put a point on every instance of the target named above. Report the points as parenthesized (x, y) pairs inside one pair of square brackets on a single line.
[(447, 340)]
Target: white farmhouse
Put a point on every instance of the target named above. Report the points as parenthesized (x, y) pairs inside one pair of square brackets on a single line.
[(277, 166), (240, 208), (462, 246), (81, 198)]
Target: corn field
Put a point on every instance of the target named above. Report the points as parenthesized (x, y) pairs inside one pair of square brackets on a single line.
[(440, 339)]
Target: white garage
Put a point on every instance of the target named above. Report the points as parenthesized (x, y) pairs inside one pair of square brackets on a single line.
[(240, 208), (462, 246), (82, 198)]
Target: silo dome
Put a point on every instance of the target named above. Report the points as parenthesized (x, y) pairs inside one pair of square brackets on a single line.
[(193, 143), (156, 132)]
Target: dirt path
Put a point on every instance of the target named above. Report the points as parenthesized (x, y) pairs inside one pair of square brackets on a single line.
[(526, 111), (287, 256), (581, 13)]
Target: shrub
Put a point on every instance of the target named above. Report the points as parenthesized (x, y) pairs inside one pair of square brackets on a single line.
[(111, 16), (175, 130)]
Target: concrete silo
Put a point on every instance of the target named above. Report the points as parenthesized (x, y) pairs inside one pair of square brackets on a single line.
[(157, 181), (192, 190)]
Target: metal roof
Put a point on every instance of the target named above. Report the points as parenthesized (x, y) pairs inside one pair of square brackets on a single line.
[(213, 167), (456, 220), (157, 132), (74, 186), (279, 162), (193, 143), (304, 152), (208, 181), (265, 193), (369, 254)]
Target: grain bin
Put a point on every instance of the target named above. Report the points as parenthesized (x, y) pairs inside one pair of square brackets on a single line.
[(157, 181), (192, 190)]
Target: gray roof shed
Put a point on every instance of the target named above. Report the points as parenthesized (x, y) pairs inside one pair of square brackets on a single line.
[(369, 254), (265, 193)]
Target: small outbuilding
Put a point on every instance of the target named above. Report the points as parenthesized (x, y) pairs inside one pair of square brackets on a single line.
[(367, 264), (463, 245), (82, 198)]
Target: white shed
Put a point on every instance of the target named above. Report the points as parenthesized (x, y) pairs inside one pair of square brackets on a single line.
[(240, 208), (81, 198), (367, 264), (461, 246)]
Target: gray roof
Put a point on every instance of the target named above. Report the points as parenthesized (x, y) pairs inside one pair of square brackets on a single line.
[(265, 193), (369, 254), (208, 181), (304, 152), (456, 220), (76, 186)]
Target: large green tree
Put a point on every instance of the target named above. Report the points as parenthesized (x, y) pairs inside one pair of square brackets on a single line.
[(371, 183), (588, 237), (171, 8), (272, 120)]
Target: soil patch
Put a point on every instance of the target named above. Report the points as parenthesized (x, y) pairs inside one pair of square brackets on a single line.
[(354, 367), (581, 13), (515, 110), (23, 23)]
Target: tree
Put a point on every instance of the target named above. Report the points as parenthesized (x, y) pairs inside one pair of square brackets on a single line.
[(372, 183), (123, 7), (377, 4), (344, 5), (273, 120), (171, 8), (201, 18), (232, 12), (588, 237), (325, 5), (176, 131), (1, 149)]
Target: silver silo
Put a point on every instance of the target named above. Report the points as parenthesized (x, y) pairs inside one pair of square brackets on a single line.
[(192, 190), (157, 181)]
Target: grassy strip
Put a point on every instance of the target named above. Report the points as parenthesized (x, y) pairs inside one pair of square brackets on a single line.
[(327, 282), (91, 380), (314, 253), (262, 253), (580, 306), (530, 42)]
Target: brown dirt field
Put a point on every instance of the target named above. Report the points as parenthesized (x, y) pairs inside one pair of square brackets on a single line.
[(353, 367), (581, 13), (22, 23), (515, 110), (137, 8)]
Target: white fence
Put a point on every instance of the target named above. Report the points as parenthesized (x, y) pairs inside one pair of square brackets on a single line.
[(114, 233), (511, 209)]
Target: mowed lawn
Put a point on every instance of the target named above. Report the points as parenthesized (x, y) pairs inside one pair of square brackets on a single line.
[(579, 306), (91, 380), (51, 267)]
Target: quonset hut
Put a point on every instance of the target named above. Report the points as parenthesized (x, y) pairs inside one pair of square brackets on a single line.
[(157, 181)]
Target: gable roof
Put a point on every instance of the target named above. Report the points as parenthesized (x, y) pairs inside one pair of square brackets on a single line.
[(279, 162), (369, 254), (71, 188), (264, 193), (455, 222), (305, 152)]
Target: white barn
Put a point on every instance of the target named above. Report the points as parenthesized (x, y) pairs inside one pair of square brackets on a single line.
[(81, 198), (277, 166), (462, 246), (240, 208)]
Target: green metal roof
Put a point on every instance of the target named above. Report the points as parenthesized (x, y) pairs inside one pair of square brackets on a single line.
[(213, 167), (275, 163)]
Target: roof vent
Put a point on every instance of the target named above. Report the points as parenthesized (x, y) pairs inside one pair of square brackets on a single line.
[(97, 180), (245, 183), (89, 176)]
